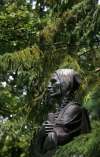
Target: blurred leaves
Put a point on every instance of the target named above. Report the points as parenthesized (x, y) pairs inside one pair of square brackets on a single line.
[(34, 42)]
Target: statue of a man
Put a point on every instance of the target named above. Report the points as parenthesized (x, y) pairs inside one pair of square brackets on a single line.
[(70, 119)]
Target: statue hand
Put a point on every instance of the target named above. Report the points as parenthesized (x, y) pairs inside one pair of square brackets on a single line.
[(48, 127)]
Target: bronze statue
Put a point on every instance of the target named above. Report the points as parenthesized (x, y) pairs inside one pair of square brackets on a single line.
[(70, 119)]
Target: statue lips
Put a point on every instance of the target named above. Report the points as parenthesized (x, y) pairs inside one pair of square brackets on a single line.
[(54, 90), (51, 92)]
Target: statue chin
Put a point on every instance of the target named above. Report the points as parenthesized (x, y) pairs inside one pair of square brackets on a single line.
[(52, 98)]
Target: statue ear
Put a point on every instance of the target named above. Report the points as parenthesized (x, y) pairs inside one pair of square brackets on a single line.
[(76, 81)]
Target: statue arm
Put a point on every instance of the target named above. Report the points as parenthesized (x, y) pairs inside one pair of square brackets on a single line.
[(69, 124), (63, 128)]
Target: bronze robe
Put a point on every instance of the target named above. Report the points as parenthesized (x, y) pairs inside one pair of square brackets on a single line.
[(71, 121)]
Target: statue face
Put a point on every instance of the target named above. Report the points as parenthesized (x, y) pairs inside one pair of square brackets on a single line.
[(54, 86), (63, 82)]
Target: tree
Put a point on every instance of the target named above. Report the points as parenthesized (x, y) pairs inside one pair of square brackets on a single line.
[(33, 44)]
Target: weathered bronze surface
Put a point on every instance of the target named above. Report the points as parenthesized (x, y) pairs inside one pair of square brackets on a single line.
[(70, 118)]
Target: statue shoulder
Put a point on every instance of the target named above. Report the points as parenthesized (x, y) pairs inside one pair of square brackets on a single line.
[(73, 106), (71, 110)]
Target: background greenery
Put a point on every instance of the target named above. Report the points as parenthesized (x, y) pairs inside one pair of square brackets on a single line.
[(35, 40)]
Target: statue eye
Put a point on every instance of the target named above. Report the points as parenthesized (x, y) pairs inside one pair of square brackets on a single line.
[(53, 80)]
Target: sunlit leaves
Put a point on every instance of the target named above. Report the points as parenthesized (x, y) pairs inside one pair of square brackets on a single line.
[(34, 42)]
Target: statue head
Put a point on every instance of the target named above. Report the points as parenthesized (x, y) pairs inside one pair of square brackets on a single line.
[(63, 82)]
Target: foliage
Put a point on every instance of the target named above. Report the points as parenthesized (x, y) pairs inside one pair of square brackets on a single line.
[(84, 145), (18, 27), (34, 42), (92, 101)]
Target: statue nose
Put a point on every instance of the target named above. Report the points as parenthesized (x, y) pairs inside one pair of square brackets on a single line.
[(49, 88)]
